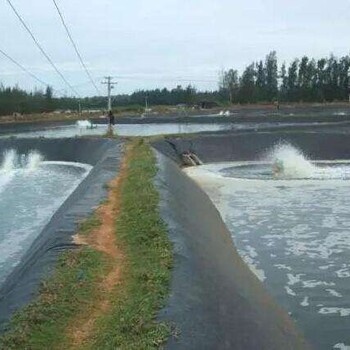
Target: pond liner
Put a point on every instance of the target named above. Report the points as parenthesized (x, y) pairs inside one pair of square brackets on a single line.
[(316, 145), (216, 302), (104, 155)]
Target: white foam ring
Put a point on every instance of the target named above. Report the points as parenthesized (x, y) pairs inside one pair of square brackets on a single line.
[(289, 162)]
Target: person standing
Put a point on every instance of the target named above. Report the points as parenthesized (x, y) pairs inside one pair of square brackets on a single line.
[(110, 118)]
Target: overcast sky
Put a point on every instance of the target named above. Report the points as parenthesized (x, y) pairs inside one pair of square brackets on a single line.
[(156, 43)]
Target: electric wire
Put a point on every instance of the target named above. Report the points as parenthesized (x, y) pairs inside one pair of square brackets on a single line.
[(75, 47), (87, 82), (23, 68), (41, 48)]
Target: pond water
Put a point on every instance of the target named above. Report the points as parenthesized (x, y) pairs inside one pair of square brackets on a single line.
[(29, 198), (290, 221)]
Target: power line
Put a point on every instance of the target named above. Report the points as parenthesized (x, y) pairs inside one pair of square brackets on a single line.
[(59, 91), (76, 48), (23, 68), (80, 84), (41, 48)]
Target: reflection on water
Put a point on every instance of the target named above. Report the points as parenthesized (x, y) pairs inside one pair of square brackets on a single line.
[(295, 236)]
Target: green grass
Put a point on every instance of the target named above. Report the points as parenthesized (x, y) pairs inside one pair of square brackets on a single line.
[(42, 324), (91, 223), (131, 321)]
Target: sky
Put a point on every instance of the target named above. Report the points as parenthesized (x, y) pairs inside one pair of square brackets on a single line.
[(163, 43)]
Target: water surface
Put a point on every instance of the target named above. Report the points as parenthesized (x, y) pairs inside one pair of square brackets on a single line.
[(292, 228), (31, 191)]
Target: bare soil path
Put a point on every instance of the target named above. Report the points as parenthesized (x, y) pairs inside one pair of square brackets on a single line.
[(102, 239)]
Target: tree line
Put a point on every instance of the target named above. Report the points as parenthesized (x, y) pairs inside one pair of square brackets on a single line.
[(302, 80), (16, 100)]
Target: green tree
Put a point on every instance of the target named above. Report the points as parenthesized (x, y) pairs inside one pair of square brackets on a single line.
[(284, 82), (261, 81), (247, 89), (49, 105), (292, 93), (271, 76), (229, 84)]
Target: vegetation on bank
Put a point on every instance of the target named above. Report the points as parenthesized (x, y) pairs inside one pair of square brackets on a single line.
[(129, 321), (42, 324), (305, 79)]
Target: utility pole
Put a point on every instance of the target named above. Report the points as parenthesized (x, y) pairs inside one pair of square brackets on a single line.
[(110, 85), (349, 84)]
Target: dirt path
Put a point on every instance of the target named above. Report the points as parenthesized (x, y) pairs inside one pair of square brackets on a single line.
[(102, 239)]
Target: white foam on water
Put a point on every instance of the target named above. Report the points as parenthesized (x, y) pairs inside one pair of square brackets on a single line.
[(341, 346), (305, 302), (84, 124), (12, 245), (290, 291), (344, 272), (294, 279), (249, 256), (31, 199), (6, 168), (329, 221), (83, 166), (4, 180), (12, 161), (282, 266), (314, 284), (343, 312), (301, 220), (9, 161), (334, 293), (251, 251), (289, 162), (34, 159)]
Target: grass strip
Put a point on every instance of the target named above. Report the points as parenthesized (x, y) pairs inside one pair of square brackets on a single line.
[(42, 324), (131, 322)]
